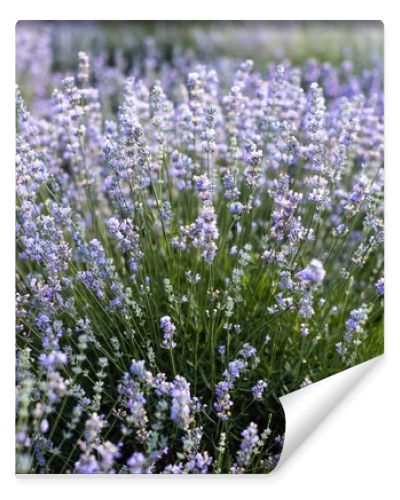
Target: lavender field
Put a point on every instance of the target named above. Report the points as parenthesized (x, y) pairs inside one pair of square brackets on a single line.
[(199, 231)]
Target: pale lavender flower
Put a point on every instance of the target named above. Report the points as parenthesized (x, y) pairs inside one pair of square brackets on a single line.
[(357, 319), (204, 232), (180, 407), (354, 329), (174, 469), (108, 454), (315, 128), (137, 463), (313, 273), (250, 440), (203, 186), (252, 157), (247, 351), (182, 166), (84, 67), (128, 241), (200, 463), (237, 208), (169, 330), (285, 281), (44, 425), (286, 203), (259, 389), (341, 348), (224, 402), (208, 132), (304, 330), (305, 306), (380, 286), (234, 370)]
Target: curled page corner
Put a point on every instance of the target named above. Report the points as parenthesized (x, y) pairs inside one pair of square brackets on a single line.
[(308, 407)]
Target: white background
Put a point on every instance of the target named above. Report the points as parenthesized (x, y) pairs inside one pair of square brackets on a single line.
[(355, 452)]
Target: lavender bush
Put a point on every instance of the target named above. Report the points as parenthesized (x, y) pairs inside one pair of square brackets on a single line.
[(193, 242)]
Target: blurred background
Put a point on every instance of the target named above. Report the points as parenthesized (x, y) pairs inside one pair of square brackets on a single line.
[(46, 51)]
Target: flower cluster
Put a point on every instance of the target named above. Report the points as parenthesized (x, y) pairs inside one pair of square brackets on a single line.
[(354, 330), (169, 330), (231, 376)]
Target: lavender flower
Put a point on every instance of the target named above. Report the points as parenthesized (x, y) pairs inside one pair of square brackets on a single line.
[(224, 403), (354, 328), (357, 319), (249, 442), (200, 463), (169, 330), (203, 186), (136, 463), (204, 233), (259, 389), (380, 286), (181, 412), (128, 241), (247, 351), (313, 273), (252, 157)]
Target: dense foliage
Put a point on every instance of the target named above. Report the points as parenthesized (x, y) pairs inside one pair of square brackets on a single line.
[(192, 243)]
